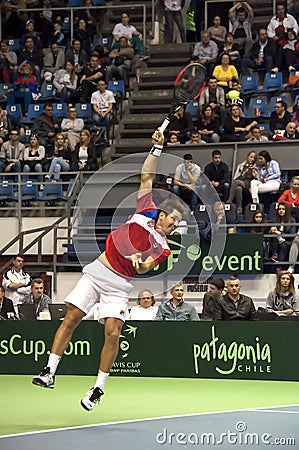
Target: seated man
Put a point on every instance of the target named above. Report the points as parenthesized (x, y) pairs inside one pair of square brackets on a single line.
[(218, 174), (233, 305), (262, 55), (186, 179), (102, 102), (71, 127), (289, 133), (181, 124), (195, 139), (217, 224), (120, 62), (176, 308), (215, 292), (6, 305), (46, 126), (205, 52), (37, 296), (214, 96), (12, 154), (53, 61)]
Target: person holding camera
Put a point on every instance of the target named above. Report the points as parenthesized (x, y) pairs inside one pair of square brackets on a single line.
[(242, 179)]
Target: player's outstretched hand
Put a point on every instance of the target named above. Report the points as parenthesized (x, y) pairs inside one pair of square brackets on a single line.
[(158, 137), (136, 259)]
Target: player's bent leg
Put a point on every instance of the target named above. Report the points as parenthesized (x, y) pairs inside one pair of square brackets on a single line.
[(61, 340), (109, 353)]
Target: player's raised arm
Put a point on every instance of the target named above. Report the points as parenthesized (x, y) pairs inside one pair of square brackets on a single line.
[(148, 170)]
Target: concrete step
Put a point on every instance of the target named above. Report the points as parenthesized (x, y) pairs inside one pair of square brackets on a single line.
[(148, 108), (161, 97), (133, 134), (163, 62), (142, 121), (154, 85), (165, 51)]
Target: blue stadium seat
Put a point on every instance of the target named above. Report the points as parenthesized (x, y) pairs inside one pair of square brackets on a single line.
[(117, 87), (14, 45), (257, 103), (74, 3), (15, 110), (249, 84), (272, 82), (29, 191), (6, 191), (60, 110), (192, 108), (99, 2), (70, 189), (47, 92), (52, 191), (34, 110), (83, 110)]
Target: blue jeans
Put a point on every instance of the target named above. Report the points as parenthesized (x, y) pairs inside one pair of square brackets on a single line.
[(185, 194), (170, 18), (58, 165), (37, 168)]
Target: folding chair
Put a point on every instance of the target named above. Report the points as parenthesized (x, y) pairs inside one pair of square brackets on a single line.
[(29, 191), (47, 92), (34, 110), (257, 107), (249, 84), (15, 110), (272, 82), (60, 110), (52, 192)]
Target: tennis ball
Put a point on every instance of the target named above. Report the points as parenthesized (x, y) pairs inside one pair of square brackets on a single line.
[(193, 252), (231, 95)]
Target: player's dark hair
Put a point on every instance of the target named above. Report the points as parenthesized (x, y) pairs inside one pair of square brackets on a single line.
[(170, 204)]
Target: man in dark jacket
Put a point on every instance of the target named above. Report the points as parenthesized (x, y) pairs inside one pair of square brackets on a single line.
[(262, 55), (233, 305), (209, 299), (181, 124), (6, 305), (218, 174), (46, 126)]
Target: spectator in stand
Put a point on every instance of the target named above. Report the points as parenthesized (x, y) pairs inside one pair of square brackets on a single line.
[(262, 55), (12, 154), (135, 38), (13, 18), (242, 179), (215, 292), (8, 62), (257, 136), (62, 158), (46, 126), (233, 305), (176, 308), (58, 37), (235, 127), (85, 34), (291, 197), (293, 254), (218, 174), (24, 88), (6, 305), (65, 82), (173, 14), (102, 101), (280, 24), (279, 245), (225, 72), (214, 96), (145, 309), (181, 124), (280, 117), (186, 181), (241, 25), (121, 59), (173, 139), (232, 49), (9, 122), (283, 300), (288, 54), (16, 281), (54, 60), (217, 32), (295, 115), (92, 73), (195, 138), (205, 52), (32, 55), (84, 156), (290, 133), (90, 15), (208, 124), (30, 32), (71, 127), (37, 297), (34, 155), (267, 176), (259, 226), (77, 55), (217, 225)]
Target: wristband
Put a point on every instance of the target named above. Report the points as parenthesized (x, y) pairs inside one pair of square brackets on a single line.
[(156, 150)]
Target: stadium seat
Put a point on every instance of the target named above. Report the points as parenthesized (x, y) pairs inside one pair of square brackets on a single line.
[(257, 104), (201, 213), (6, 191), (74, 3), (83, 111), (15, 110), (47, 92), (52, 191), (230, 213), (250, 210), (249, 84), (99, 2), (69, 191), (34, 110), (66, 24), (117, 87), (25, 139), (105, 40), (272, 82), (273, 211), (192, 108), (60, 110), (4, 88), (293, 82), (14, 45), (29, 191)]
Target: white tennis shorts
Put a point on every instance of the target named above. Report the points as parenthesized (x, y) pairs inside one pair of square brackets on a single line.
[(100, 284)]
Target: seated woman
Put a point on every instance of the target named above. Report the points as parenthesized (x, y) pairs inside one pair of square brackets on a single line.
[(33, 157), (283, 300), (258, 226), (242, 179), (208, 124), (232, 49), (65, 82), (291, 197), (145, 309), (61, 157), (225, 72), (173, 139), (266, 176), (85, 154), (235, 127), (25, 87), (279, 245)]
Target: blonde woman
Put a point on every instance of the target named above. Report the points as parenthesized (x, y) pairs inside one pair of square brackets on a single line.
[(61, 158), (33, 156)]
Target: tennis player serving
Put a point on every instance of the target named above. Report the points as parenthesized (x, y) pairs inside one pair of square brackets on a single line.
[(134, 247)]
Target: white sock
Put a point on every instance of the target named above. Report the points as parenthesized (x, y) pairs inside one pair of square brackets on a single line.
[(53, 362), (101, 380)]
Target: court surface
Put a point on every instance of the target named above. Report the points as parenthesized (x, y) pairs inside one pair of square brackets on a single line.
[(149, 413)]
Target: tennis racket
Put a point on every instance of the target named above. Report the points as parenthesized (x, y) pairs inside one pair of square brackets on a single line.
[(188, 86)]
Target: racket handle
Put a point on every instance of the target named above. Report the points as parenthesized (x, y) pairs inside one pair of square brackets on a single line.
[(164, 125)]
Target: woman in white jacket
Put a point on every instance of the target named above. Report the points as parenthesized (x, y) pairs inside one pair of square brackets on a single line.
[(65, 82)]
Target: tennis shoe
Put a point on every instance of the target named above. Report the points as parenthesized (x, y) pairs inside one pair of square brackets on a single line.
[(92, 397), (44, 379)]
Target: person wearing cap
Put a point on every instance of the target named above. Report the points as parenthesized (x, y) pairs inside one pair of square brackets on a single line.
[(181, 123), (30, 32), (215, 292)]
